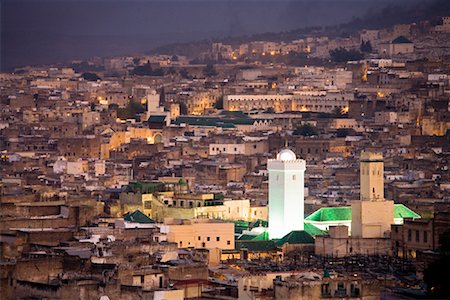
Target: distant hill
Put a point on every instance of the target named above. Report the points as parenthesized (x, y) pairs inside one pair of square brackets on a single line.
[(387, 16)]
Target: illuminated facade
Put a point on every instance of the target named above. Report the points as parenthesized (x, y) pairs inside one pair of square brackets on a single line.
[(316, 101), (286, 194)]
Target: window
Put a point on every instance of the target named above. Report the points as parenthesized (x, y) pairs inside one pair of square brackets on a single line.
[(417, 236), (208, 238), (409, 235), (228, 242), (181, 244), (218, 238), (293, 177), (203, 245), (174, 203), (199, 238), (425, 237), (181, 203)]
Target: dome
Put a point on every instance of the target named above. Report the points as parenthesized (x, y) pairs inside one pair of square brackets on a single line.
[(286, 155)]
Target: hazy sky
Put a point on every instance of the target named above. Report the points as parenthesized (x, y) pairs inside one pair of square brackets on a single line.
[(45, 31)]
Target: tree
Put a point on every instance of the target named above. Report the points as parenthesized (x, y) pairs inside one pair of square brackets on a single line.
[(209, 70), (130, 111), (219, 103), (90, 76), (144, 70), (343, 55), (185, 74), (183, 108), (113, 106), (343, 132), (306, 130), (365, 47)]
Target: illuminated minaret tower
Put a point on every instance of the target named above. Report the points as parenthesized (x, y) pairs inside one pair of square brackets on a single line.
[(286, 193), (372, 215)]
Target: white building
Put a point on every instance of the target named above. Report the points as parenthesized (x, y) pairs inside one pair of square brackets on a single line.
[(286, 193)]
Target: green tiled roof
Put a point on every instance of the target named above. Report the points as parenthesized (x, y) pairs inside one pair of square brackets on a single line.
[(138, 217), (262, 237), (296, 237), (247, 237), (256, 246), (323, 214), (313, 230), (157, 119), (203, 121), (239, 226), (259, 223), (344, 213), (401, 211)]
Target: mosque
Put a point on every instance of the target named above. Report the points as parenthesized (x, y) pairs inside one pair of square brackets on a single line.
[(370, 217)]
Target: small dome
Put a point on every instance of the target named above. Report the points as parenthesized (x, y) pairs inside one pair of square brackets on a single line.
[(286, 155)]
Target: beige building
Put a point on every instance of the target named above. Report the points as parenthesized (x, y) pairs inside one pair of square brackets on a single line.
[(251, 147), (372, 215), (200, 233), (315, 101), (398, 46), (112, 140), (199, 103)]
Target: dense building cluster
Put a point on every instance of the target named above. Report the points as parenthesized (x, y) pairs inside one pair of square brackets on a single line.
[(153, 177)]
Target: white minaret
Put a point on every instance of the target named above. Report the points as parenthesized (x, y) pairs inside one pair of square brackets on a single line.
[(286, 193)]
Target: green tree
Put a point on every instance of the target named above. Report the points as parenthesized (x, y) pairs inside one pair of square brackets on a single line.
[(185, 74), (90, 76), (343, 55), (343, 132), (131, 110), (366, 47), (209, 70), (306, 130), (219, 103)]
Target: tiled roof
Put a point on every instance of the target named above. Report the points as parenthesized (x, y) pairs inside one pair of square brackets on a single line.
[(313, 230), (296, 237), (401, 211), (138, 217), (401, 40), (256, 246), (344, 213), (156, 119)]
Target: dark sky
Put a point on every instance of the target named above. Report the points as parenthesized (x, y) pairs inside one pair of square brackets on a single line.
[(48, 31)]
